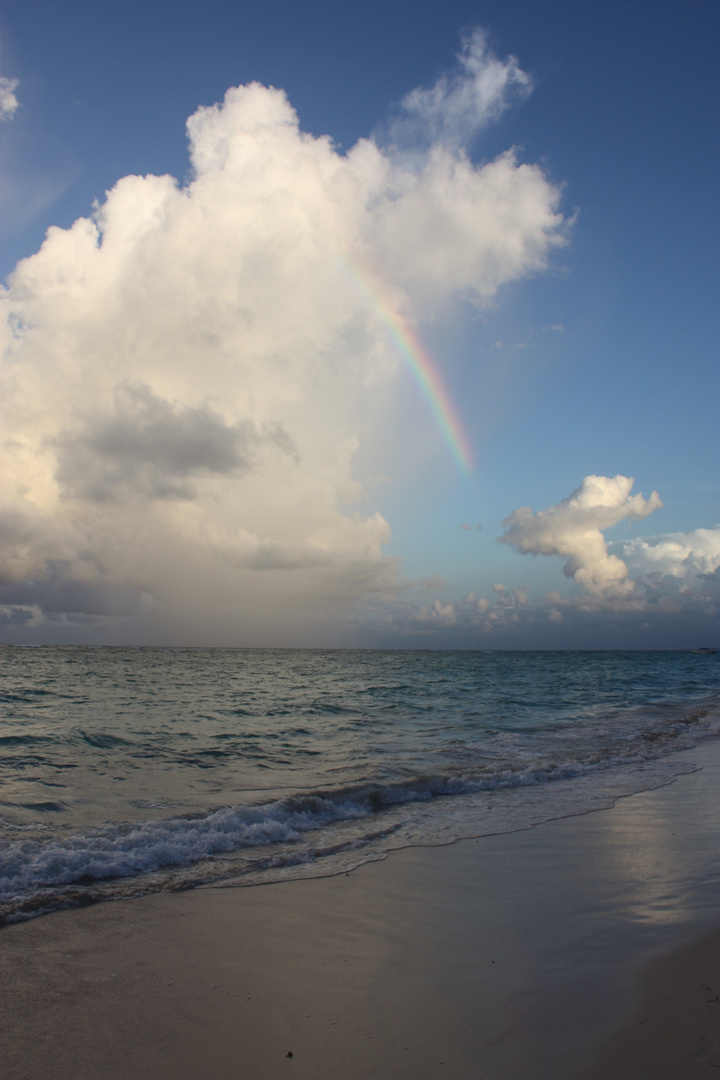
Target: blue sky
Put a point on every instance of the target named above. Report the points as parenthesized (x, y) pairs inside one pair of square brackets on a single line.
[(322, 505)]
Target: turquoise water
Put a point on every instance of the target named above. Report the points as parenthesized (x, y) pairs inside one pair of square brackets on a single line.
[(124, 771)]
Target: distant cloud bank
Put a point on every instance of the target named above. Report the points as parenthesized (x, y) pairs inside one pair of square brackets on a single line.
[(665, 588)]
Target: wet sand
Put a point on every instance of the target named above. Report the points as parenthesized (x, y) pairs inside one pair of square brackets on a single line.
[(675, 1032), (571, 951)]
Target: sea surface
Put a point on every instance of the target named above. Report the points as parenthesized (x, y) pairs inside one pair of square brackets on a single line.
[(128, 771)]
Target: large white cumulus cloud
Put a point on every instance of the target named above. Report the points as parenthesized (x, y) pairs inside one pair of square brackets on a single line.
[(187, 372)]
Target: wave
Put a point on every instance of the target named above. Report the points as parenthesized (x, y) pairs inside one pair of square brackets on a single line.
[(38, 875), (25, 740)]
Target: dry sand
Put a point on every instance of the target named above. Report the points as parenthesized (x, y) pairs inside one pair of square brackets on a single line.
[(567, 952)]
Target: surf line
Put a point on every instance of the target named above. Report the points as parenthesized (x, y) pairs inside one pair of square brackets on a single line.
[(419, 363)]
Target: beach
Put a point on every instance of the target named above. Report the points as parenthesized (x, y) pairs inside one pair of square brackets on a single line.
[(585, 947)]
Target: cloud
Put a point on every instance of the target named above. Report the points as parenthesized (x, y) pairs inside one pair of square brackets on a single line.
[(8, 102), (146, 447), (662, 591), (676, 574), (684, 556), (438, 614), (461, 103), (478, 603), (58, 592), (459, 229), (574, 528), (669, 599), (188, 372), (507, 603)]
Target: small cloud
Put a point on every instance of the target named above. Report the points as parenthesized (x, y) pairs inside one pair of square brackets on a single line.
[(8, 102), (438, 613), (511, 598), (479, 603), (463, 102), (466, 528), (573, 529)]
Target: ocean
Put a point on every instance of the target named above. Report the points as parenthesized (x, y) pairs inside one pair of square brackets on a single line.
[(128, 771)]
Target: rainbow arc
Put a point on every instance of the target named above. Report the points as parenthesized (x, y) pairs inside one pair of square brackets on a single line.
[(420, 365)]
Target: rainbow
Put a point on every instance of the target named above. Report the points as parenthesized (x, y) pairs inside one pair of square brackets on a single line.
[(420, 365)]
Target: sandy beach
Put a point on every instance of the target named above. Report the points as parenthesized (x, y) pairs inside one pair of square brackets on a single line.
[(583, 948), (675, 1030)]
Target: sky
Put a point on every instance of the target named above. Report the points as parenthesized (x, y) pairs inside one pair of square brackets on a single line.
[(385, 325)]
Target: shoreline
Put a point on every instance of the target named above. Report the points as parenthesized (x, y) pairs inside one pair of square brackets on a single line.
[(514, 955)]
